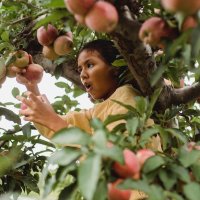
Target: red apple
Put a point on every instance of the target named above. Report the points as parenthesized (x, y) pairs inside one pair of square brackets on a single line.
[(63, 45), (131, 166), (47, 35), (143, 155), (185, 6), (21, 59), (48, 52), (80, 7), (34, 73), (117, 194), (154, 30), (188, 23), (102, 17)]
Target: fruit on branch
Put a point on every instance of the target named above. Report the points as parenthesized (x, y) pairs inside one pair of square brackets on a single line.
[(48, 52), (154, 30), (10, 73), (63, 45), (131, 166), (80, 7), (2, 80), (117, 194), (185, 6), (47, 35), (143, 155), (102, 17), (21, 59), (34, 73), (189, 23), (80, 19), (2, 70)]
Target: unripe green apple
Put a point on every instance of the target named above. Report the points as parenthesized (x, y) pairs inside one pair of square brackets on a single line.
[(2, 69), (34, 73), (63, 45), (21, 59), (131, 166), (117, 194), (80, 7), (185, 6), (47, 35), (2, 80), (48, 52), (102, 17), (154, 30)]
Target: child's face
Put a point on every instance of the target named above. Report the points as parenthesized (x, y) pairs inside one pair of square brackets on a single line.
[(97, 76)]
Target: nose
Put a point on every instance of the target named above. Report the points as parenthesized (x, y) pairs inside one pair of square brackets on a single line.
[(83, 74)]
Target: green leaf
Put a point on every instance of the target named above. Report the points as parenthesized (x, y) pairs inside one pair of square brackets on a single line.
[(181, 173), (88, 175), (30, 182), (65, 156), (114, 152), (119, 63), (168, 178), (114, 118), (156, 75), (196, 171), (178, 134), (101, 189), (192, 191), (153, 163), (15, 92), (73, 135), (26, 129), (5, 36), (146, 135), (10, 115), (153, 100), (55, 4), (188, 158), (141, 104), (67, 192), (99, 138), (132, 125)]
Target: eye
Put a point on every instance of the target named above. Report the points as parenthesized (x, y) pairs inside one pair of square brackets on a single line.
[(90, 65), (79, 70)]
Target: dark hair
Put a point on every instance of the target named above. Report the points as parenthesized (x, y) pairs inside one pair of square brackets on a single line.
[(106, 49)]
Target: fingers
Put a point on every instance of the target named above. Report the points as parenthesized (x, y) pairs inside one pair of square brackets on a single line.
[(17, 70), (30, 59)]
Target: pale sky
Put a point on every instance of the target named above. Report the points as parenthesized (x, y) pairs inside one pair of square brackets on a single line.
[(47, 86)]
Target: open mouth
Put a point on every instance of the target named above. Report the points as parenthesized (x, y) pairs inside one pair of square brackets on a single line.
[(87, 86)]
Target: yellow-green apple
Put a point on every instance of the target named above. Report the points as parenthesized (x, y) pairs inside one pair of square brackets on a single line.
[(117, 194), (63, 45), (48, 52), (21, 59), (143, 155), (185, 6), (102, 17), (34, 73), (2, 69), (2, 80), (154, 30), (47, 35), (131, 166), (80, 7), (188, 23)]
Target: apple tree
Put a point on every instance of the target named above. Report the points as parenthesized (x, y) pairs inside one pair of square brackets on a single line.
[(160, 44)]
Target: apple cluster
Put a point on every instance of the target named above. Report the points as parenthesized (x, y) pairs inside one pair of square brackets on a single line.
[(155, 30), (21, 59), (54, 45), (133, 163), (100, 16)]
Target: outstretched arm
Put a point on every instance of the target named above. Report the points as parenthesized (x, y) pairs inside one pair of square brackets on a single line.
[(39, 110)]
